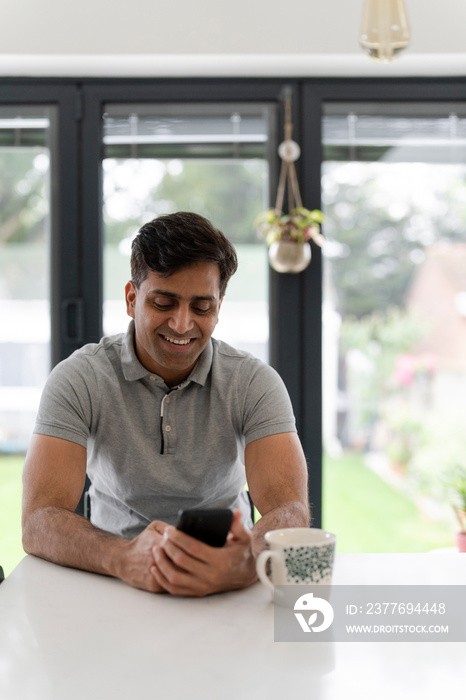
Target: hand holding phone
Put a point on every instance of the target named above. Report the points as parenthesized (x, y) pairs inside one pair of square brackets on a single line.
[(210, 526)]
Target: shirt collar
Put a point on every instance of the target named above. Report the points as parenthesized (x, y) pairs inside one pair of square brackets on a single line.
[(201, 369), (133, 369)]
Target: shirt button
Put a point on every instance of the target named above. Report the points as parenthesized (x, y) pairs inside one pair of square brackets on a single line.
[(152, 378), (167, 400), (168, 428)]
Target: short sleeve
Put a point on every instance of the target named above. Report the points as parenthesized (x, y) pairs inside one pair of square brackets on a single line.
[(65, 409), (267, 406)]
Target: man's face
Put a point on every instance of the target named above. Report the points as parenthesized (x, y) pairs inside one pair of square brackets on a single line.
[(174, 318)]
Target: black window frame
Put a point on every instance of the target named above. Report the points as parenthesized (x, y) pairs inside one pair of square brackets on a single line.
[(65, 245), (288, 313)]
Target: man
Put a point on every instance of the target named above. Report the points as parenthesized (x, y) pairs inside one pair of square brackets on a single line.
[(164, 417)]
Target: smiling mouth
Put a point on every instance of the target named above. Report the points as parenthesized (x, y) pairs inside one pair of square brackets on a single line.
[(177, 341)]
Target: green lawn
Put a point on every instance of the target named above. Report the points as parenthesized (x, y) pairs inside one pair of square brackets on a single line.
[(365, 513), (369, 515), (11, 550)]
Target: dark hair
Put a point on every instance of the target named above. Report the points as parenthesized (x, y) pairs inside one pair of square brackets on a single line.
[(171, 242)]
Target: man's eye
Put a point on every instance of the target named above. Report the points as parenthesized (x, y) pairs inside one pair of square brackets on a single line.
[(162, 307), (201, 309)]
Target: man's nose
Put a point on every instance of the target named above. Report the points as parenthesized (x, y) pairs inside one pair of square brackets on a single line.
[(181, 320)]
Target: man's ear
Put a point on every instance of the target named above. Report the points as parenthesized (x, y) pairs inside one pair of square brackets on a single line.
[(130, 296)]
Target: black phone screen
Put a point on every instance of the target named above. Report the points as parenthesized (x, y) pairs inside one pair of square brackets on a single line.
[(210, 526)]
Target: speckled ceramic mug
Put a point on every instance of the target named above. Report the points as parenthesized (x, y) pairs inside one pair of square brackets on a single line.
[(298, 555)]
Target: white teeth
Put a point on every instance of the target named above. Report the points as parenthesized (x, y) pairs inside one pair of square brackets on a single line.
[(183, 341)]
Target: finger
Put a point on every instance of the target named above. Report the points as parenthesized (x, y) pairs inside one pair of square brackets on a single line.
[(162, 584), (175, 589), (158, 526), (190, 545), (172, 578), (237, 529), (185, 562), (168, 567), (156, 585)]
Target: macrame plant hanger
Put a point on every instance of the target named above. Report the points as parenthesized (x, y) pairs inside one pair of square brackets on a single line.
[(289, 152), (288, 235)]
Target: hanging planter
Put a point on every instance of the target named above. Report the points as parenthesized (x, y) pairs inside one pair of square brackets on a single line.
[(288, 235), (289, 257)]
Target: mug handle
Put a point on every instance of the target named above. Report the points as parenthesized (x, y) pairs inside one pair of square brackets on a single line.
[(261, 566)]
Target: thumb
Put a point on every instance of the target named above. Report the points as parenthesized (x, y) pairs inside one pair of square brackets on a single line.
[(157, 526), (237, 529)]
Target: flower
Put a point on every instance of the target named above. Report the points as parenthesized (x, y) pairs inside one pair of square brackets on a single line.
[(407, 367), (300, 226)]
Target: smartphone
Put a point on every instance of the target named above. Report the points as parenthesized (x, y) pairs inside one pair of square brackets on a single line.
[(210, 526)]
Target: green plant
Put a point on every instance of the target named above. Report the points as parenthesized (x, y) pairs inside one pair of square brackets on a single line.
[(371, 346), (456, 483), (439, 456), (404, 433), (300, 226)]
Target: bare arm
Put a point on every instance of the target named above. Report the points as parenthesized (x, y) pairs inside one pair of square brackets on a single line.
[(53, 480), (276, 472)]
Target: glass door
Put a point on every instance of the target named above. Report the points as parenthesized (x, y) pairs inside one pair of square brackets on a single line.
[(394, 322), (209, 158), (26, 149)]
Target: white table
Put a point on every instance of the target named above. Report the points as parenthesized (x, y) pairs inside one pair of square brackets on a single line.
[(67, 634)]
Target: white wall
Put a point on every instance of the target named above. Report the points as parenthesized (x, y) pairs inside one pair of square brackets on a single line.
[(220, 37)]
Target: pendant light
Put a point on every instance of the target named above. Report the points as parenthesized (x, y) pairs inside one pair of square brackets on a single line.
[(384, 29)]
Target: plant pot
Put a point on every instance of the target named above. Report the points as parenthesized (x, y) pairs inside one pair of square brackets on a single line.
[(285, 256), (461, 541)]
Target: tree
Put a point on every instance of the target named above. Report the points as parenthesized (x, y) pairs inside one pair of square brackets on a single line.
[(379, 218), (228, 192), (24, 208)]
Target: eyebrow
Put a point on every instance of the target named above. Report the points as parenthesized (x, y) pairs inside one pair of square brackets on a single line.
[(172, 295)]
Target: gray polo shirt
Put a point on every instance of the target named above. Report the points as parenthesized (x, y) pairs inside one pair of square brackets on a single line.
[(152, 450)]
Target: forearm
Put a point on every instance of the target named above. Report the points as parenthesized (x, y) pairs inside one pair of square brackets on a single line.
[(289, 514), (65, 538)]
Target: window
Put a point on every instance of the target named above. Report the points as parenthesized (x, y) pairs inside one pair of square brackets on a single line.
[(164, 140), (26, 156), (394, 193), (209, 158)]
